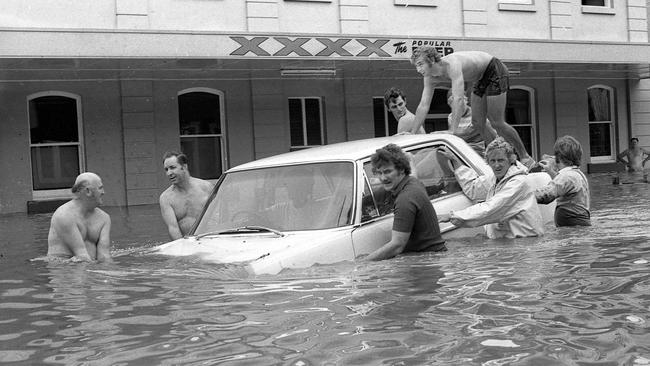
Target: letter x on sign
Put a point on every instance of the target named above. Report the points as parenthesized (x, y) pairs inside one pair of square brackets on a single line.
[(249, 46), (295, 46), (373, 47), (292, 46)]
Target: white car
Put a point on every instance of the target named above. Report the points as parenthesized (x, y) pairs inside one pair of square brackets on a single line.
[(321, 205)]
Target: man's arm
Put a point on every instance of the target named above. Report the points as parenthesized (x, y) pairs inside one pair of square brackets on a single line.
[(169, 217), (423, 108), (104, 243), (69, 234), (502, 206), (644, 151), (455, 73), (622, 155), (394, 247)]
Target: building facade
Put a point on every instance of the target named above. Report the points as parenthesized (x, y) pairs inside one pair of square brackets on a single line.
[(109, 86)]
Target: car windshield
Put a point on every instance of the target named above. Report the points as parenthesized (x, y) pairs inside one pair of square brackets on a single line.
[(286, 198)]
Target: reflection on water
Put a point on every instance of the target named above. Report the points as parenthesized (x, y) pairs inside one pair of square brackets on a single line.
[(574, 297)]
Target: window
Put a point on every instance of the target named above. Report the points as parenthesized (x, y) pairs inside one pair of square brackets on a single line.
[(434, 172), (605, 3), (426, 165), (297, 197), (598, 7), (439, 110), (431, 3), (517, 5), (519, 114), (385, 122), (201, 115), (600, 104), (306, 122), (56, 147)]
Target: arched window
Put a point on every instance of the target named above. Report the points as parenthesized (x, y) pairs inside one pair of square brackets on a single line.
[(56, 142), (520, 114), (600, 104), (201, 122)]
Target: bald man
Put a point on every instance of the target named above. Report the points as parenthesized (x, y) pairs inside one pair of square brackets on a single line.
[(79, 228)]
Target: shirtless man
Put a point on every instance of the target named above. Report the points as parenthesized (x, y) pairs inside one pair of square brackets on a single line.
[(395, 101), (489, 78), (79, 228), (634, 154), (182, 202)]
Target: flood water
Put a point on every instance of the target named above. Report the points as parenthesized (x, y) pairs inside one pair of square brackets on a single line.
[(573, 297)]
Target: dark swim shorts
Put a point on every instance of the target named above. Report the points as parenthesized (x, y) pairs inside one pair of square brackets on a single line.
[(494, 80)]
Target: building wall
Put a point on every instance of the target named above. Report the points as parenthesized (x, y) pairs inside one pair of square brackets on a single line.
[(131, 116), (640, 112), (102, 138), (553, 19)]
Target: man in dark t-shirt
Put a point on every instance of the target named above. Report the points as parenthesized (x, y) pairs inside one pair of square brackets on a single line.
[(415, 226)]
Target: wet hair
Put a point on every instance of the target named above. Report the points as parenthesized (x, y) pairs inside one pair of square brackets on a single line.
[(391, 153), (79, 185), (568, 150), (634, 139), (82, 181), (393, 93), (180, 157), (499, 143), (428, 53)]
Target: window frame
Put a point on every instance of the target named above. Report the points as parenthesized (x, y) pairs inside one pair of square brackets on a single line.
[(433, 116), (533, 118), (45, 194), (222, 116), (387, 116), (367, 175), (607, 8), (305, 137), (606, 4), (612, 125), (517, 5)]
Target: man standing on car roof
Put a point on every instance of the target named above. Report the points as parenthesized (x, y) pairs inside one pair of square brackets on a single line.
[(415, 225)]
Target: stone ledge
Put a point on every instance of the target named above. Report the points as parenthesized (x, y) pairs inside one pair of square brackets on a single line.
[(44, 206), (605, 167)]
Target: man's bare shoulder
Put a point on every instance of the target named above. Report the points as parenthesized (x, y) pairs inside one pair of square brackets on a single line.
[(204, 185), (102, 215), (405, 123), (64, 212), (167, 194)]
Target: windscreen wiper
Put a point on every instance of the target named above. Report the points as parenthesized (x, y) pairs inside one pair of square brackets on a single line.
[(242, 229)]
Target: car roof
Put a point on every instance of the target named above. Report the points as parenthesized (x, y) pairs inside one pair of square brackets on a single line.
[(347, 151)]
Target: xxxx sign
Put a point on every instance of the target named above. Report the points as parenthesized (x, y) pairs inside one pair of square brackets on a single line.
[(281, 46)]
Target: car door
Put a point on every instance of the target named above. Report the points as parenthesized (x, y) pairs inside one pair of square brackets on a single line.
[(432, 169), (375, 214), (435, 173)]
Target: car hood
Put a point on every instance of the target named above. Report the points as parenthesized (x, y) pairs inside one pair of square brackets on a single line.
[(236, 248)]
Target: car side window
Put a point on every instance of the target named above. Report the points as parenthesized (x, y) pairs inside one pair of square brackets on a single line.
[(375, 197), (433, 170)]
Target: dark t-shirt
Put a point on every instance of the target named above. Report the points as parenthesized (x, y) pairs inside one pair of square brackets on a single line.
[(414, 213)]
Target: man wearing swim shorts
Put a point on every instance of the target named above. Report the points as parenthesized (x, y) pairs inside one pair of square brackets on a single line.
[(489, 78)]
